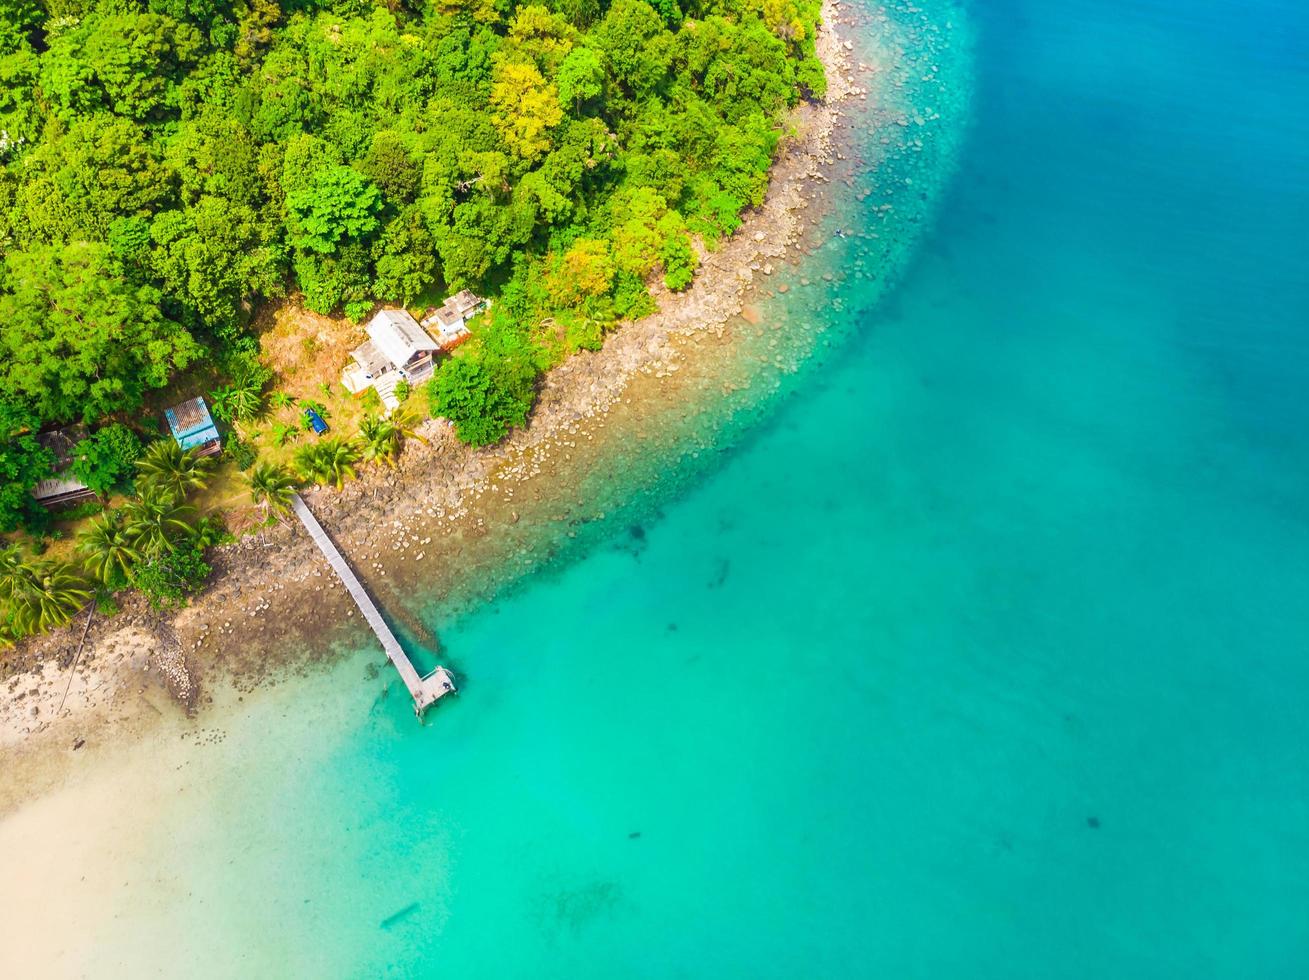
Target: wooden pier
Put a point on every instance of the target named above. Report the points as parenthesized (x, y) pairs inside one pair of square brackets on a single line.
[(425, 691)]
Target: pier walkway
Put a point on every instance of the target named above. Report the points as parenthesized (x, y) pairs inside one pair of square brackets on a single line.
[(424, 690)]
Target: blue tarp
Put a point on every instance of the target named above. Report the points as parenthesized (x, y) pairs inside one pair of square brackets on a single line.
[(316, 421)]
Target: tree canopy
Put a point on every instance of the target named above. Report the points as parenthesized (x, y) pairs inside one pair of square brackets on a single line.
[(167, 164)]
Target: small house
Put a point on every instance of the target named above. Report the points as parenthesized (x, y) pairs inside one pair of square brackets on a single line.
[(397, 349), (449, 323), (193, 427), (62, 487)]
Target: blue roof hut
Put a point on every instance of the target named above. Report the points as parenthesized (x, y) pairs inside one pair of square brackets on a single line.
[(194, 428)]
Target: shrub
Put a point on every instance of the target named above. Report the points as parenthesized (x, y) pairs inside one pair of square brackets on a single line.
[(283, 433), (211, 530), (243, 454), (357, 309), (484, 396), (87, 508), (104, 460), (168, 577)]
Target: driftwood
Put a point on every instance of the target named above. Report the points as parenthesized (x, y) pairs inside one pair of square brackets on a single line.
[(72, 671)]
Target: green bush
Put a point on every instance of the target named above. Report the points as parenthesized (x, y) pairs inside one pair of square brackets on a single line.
[(243, 454), (105, 460), (484, 397), (87, 508), (357, 309), (168, 577)]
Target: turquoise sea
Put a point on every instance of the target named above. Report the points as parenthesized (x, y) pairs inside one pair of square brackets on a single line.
[(983, 653)]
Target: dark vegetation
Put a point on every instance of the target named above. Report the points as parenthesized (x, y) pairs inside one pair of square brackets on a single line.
[(168, 165)]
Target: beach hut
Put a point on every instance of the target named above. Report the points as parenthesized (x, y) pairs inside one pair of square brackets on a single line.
[(449, 323), (397, 349), (61, 487), (193, 427)]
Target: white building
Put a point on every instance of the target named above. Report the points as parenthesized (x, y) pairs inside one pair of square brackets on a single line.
[(397, 349), (449, 323)]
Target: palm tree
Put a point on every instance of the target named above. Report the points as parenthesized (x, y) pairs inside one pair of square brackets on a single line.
[(241, 401), (168, 467), (49, 597), (383, 437), (271, 487), (107, 548), (156, 520), (329, 461), (14, 572)]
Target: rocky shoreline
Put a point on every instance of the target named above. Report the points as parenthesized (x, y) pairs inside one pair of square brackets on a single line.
[(456, 523)]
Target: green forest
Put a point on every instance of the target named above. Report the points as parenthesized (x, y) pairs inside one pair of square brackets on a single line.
[(167, 166)]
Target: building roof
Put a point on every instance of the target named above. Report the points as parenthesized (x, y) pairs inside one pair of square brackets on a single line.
[(372, 360), (62, 483), (446, 330), (399, 337), (62, 442), (464, 301), (451, 314), (60, 486), (191, 423)]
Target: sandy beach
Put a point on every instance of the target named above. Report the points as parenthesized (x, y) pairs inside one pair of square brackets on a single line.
[(451, 523)]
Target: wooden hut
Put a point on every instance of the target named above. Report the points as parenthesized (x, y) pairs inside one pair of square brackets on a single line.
[(193, 427)]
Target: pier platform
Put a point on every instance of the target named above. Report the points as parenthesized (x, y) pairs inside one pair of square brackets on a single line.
[(425, 690)]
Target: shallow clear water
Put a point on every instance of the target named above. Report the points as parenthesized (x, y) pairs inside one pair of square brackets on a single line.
[(984, 656)]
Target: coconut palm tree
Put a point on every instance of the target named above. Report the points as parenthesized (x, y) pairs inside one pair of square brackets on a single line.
[(167, 466), (14, 572), (271, 487), (156, 520), (107, 548), (329, 461), (53, 591), (383, 438)]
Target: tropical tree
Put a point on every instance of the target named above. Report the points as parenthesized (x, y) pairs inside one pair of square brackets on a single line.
[(271, 487), (24, 462), (107, 549), (241, 401), (51, 591), (168, 467), (281, 433), (484, 395), (105, 459), (382, 437), (157, 521), (329, 461), (339, 203), (15, 572), (81, 339)]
